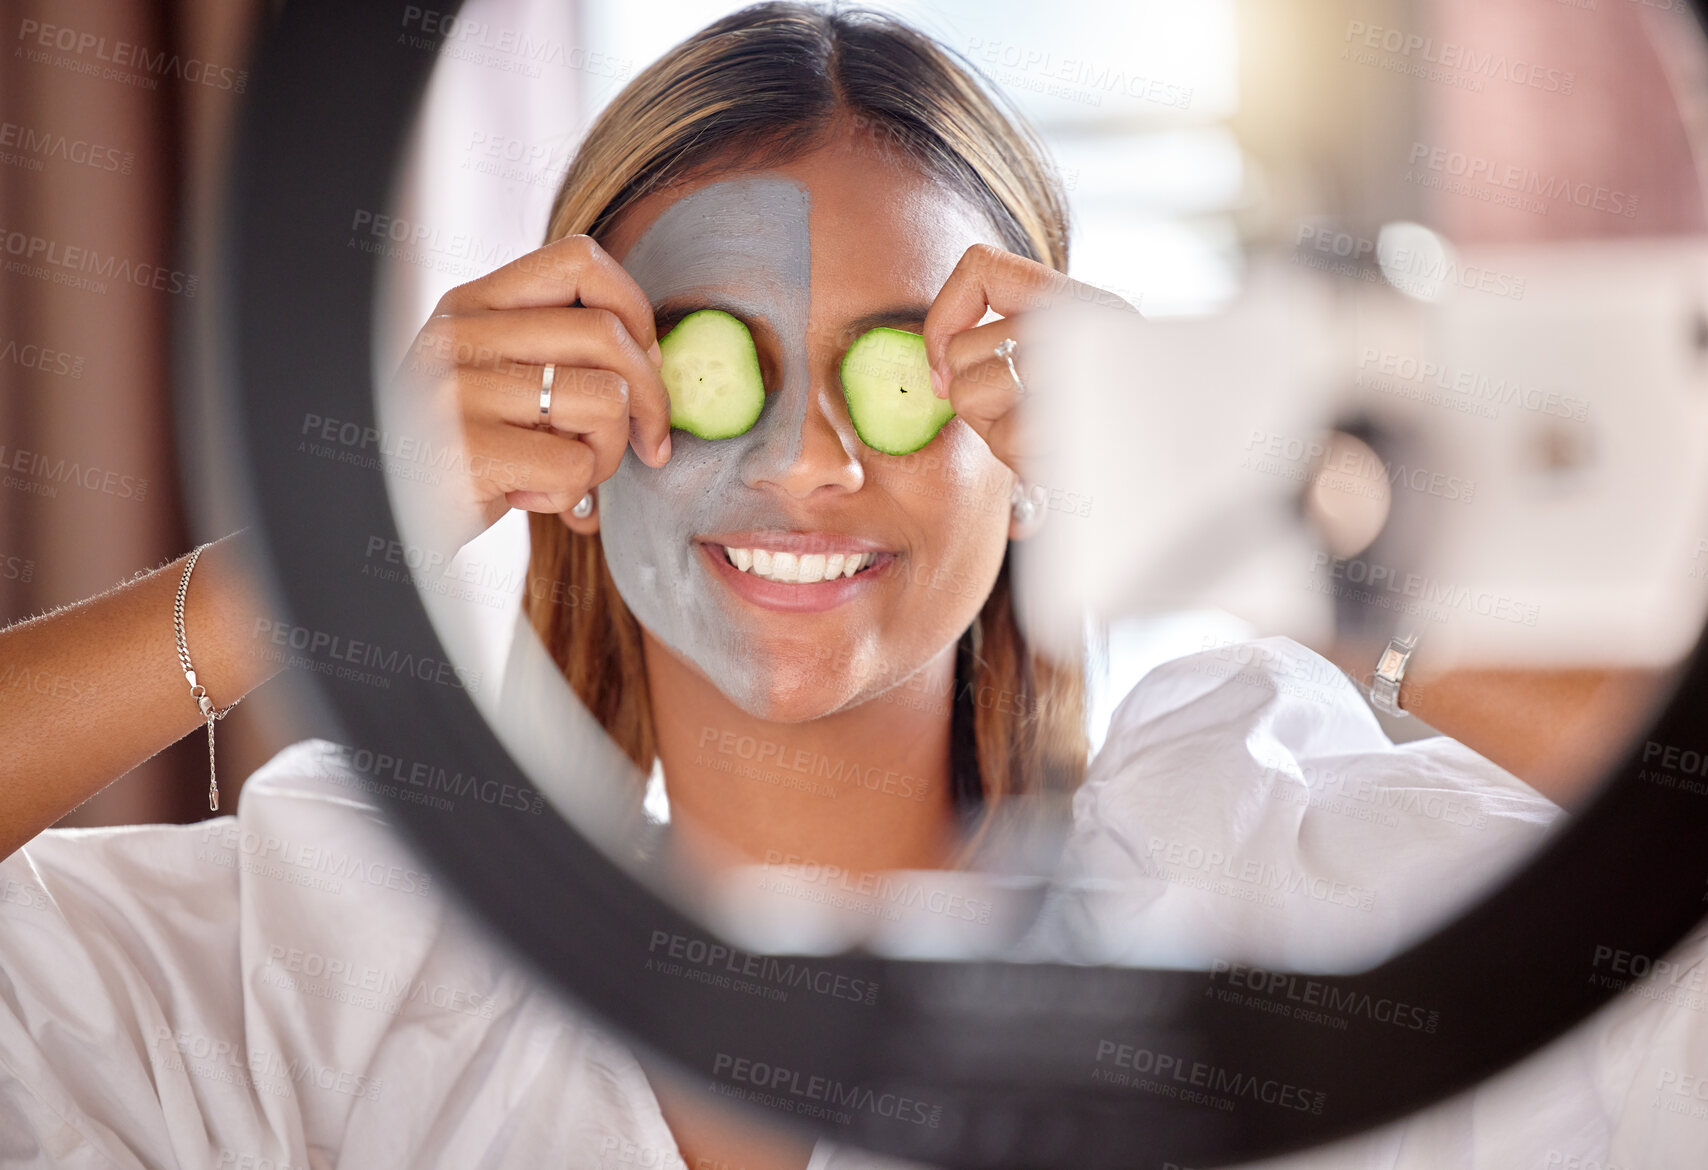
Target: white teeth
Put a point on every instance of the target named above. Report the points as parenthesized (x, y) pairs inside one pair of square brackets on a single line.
[(793, 569)]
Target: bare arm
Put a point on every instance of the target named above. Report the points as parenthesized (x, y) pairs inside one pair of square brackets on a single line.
[(94, 689), (1558, 730)]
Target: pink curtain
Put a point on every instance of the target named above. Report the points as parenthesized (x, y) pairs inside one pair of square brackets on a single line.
[(111, 133), (114, 129)]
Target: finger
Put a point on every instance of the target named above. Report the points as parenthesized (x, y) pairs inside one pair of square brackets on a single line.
[(590, 404), (983, 394), (563, 272), (507, 460), (975, 347), (984, 277), (582, 399), (997, 414), (595, 410), (566, 337)]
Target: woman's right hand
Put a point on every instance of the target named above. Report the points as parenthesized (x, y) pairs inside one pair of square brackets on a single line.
[(481, 359)]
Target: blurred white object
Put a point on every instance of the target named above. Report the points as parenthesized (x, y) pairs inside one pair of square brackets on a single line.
[(1164, 426), (1549, 501), (1591, 503)]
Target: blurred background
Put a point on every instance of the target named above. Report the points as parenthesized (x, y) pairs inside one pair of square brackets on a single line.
[(1190, 139)]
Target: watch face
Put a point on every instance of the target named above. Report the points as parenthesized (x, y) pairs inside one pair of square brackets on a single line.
[(1391, 662)]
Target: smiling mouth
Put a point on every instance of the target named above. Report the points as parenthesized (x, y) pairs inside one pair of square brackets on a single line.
[(801, 568)]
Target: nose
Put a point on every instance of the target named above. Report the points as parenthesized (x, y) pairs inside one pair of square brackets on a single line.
[(809, 443)]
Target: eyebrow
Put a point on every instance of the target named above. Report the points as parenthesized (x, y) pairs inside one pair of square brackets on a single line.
[(673, 309), (676, 307), (893, 317)]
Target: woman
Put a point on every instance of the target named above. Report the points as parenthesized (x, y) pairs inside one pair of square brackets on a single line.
[(283, 987)]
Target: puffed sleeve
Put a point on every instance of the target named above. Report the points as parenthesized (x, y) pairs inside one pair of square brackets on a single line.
[(288, 989), (1247, 806), (147, 1017), (112, 941)]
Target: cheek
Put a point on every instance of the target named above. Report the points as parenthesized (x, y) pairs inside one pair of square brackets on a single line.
[(955, 494), (970, 485), (645, 518)]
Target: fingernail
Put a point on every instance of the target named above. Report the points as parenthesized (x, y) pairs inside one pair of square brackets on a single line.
[(664, 450), (656, 354), (936, 382)]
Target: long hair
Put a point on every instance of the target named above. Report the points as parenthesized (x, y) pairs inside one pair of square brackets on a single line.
[(759, 88)]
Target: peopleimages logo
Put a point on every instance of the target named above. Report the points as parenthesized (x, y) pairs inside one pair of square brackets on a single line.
[(1418, 50), (1467, 389), (50, 144), (1264, 879), (1303, 992), (1431, 591), (123, 55), (798, 1093), (421, 782), (89, 268), (314, 974), (1417, 271), (806, 762), (322, 652), (1512, 177), (1357, 469), (270, 1072), (315, 858), (42, 475), (1176, 1073), (666, 948)]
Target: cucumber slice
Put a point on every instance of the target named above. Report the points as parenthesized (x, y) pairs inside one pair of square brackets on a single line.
[(887, 383), (711, 369)]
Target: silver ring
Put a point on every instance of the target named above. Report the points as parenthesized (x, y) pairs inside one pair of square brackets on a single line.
[(546, 380), (583, 507), (1005, 351)]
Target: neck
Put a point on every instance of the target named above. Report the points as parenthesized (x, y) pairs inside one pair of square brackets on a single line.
[(866, 788)]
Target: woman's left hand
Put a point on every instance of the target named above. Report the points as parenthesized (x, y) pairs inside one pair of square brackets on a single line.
[(965, 367)]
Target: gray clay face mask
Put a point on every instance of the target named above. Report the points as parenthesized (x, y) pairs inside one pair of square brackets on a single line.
[(744, 243)]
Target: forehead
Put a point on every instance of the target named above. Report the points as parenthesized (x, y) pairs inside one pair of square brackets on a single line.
[(878, 227)]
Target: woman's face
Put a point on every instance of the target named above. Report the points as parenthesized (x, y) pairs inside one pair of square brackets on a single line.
[(808, 255)]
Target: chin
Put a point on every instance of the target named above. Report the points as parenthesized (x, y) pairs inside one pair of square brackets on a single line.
[(785, 691), (795, 709), (776, 701)]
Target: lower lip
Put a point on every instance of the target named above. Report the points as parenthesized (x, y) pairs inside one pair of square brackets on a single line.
[(812, 598)]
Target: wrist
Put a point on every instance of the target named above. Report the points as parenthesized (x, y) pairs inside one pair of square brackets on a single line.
[(224, 607)]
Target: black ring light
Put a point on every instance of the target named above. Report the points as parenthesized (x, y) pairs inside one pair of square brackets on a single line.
[(1002, 1052)]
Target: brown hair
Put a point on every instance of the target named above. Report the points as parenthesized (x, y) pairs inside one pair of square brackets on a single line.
[(758, 88)]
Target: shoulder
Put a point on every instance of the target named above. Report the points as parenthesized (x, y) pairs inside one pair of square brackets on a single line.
[(1247, 800), (71, 871), (169, 987), (1651, 1054)]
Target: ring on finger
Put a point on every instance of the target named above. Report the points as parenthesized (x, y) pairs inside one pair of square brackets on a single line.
[(547, 377), (1005, 351)]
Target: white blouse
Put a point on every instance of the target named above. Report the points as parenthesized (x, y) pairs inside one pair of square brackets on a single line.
[(288, 987)]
